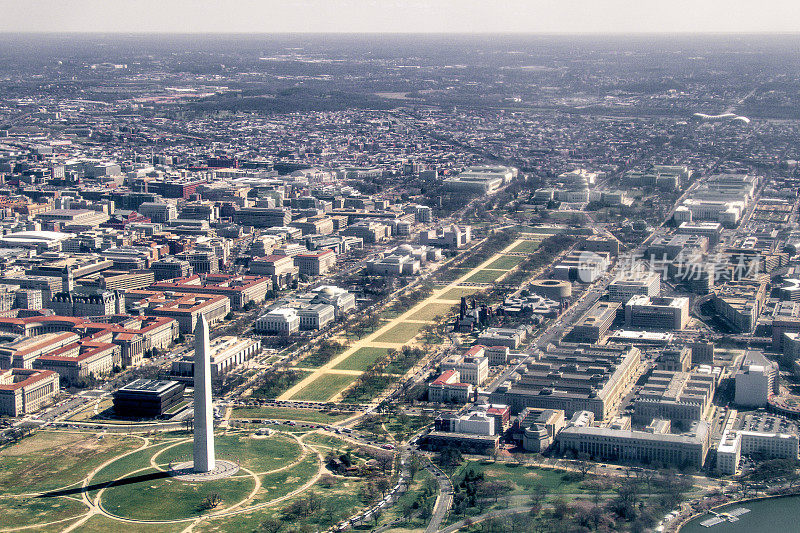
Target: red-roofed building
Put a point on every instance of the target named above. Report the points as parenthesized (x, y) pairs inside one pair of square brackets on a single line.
[(501, 414), (76, 362), (183, 307), (240, 290), (133, 334), (448, 388), (24, 390)]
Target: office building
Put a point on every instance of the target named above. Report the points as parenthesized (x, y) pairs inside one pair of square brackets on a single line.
[(634, 283), (226, 353), (448, 387), (315, 263), (657, 312), (680, 397), (656, 444), (756, 380)]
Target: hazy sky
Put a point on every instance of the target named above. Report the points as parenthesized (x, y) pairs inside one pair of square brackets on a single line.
[(532, 16)]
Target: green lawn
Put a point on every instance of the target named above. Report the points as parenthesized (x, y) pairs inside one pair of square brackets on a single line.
[(287, 413), (401, 333), (49, 460), (168, 498), (101, 524), (454, 273), (281, 483), (527, 246), (431, 311), (506, 262), (324, 387), (485, 276), (525, 477), (31, 511), (362, 358), (458, 292), (256, 454), (541, 230)]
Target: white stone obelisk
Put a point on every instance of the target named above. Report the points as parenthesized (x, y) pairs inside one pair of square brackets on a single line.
[(204, 460)]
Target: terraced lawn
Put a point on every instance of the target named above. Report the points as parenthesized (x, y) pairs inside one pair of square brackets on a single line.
[(485, 276), (458, 292), (506, 262), (324, 387), (362, 358), (431, 311), (402, 332), (527, 247), (287, 413)]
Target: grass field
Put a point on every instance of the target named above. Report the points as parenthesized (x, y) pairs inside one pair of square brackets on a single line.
[(458, 292), (506, 262), (286, 413), (485, 276), (362, 358), (527, 247), (541, 231), (525, 477), (49, 460), (431, 311), (402, 332), (324, 387)]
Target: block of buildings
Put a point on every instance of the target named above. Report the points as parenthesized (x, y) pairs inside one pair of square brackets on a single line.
[(634, 283), (675, 359), (185, 308), (23, 351), (583, 266), (76, 363), (740, 302), (509, 337), (584, 378), (451, 237), (281, 321), (536, 429), (473, 366), (279, 268), (594, 324), (241, 290)]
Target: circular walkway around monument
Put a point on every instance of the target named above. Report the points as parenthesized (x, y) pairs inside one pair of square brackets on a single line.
[(185, 471)]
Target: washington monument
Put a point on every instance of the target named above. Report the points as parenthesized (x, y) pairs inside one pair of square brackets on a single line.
[(204, 460)]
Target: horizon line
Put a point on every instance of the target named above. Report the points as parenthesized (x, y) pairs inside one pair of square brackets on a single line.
[(378, 33)]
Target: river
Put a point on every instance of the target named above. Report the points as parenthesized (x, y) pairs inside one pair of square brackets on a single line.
[(775, 515)]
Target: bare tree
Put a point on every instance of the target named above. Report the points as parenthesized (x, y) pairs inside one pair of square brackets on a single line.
[(211, 501)]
